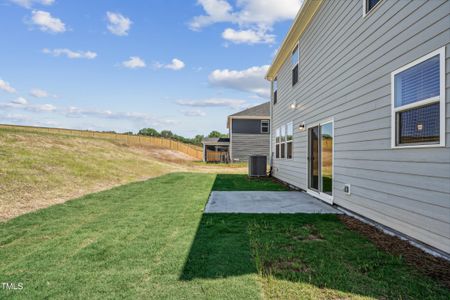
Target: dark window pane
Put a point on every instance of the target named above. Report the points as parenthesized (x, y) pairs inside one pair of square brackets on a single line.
[(418, 83), (371, 4), (277, 150), (289, 150), (419, 125), (294, 75), (283, 150)]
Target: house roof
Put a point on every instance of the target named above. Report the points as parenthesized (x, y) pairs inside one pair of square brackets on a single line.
[(301, 22), (261, 111), (216, 141)]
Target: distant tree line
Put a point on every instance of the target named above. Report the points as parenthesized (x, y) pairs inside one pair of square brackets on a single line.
[(197, 140)]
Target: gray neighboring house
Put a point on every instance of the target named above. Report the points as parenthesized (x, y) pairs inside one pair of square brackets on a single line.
[(249, 132), (360, 111)]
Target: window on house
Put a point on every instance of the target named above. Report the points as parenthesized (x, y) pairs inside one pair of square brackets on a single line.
[(295, 59), (275, 91), (283, 142), (264, 126), (369, 5), (418, 102), (289, 139), (277, 143)]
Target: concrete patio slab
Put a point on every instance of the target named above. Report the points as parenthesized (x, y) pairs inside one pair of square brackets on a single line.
[(267, 202)]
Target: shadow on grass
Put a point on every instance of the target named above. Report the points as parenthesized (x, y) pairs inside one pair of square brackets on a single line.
[(241, 182), (316, 252)]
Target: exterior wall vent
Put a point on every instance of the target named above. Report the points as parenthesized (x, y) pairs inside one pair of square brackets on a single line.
[(347, 189)]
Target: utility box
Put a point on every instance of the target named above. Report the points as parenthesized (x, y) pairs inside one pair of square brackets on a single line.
[(257, 166)]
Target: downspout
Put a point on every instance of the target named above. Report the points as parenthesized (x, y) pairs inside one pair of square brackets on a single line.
[(271, 131), (231, 139)]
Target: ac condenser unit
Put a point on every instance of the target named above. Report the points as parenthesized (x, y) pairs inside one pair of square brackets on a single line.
[(257, 166)]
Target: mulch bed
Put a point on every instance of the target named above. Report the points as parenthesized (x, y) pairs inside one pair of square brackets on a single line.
[(434, 267)]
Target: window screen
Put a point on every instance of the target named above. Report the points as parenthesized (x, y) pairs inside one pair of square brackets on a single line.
[(419, 125), (418, 83)]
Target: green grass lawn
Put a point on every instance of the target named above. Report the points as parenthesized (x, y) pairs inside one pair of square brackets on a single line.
[(241, 182), (151, 240)]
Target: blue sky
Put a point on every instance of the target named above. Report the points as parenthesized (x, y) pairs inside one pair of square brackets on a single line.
[(124, 65)]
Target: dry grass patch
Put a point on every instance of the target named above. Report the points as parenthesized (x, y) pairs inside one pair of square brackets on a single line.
[(40, 169)]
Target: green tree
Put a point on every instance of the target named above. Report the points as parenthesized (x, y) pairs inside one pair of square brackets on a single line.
[(167, 134), (149, 132), (197, 140), (216, 134)]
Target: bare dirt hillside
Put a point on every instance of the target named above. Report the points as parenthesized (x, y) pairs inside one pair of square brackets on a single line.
[(40, 169)]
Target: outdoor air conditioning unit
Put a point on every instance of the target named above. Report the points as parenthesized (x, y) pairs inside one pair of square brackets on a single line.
[(257, 166)]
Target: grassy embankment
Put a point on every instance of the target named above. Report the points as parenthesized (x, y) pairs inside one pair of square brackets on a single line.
[(41, 169)]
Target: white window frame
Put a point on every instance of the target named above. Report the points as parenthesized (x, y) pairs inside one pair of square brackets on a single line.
[(267, 124), (441, 99), (365, 12)]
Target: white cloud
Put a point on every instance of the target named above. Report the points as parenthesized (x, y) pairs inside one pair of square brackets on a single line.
[(176, 64), (118, 24), (46, 22), (214, 102), (30, 3), (38, 93), (134, 63), (70, 53), (216, 11), (248, 36), (20, 101), (259, 16), (43, 108), (193, 113), (250, 80), (6, 87), (141, 118)]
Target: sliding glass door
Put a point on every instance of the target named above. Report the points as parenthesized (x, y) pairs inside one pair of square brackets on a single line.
[(320, 160)]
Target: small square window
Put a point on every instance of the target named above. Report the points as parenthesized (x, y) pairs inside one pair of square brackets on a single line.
[(265, 126)]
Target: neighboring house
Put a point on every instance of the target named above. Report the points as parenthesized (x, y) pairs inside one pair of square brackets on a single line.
[(249, 132), (216, 150), (360, 111)]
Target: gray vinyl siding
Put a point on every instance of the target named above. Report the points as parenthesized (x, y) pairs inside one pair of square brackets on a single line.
[(345, 74), (244, 145)]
